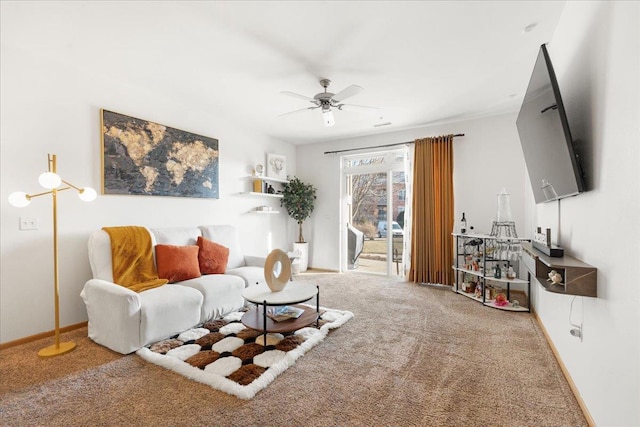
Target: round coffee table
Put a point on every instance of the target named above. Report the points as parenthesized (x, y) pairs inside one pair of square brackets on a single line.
[(293, 293)]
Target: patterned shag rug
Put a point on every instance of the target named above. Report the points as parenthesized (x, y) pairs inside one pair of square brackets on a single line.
[(232, 358)]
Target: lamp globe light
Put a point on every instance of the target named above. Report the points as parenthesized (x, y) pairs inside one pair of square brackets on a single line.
[(19, 199), (50, 180), (87, 194)]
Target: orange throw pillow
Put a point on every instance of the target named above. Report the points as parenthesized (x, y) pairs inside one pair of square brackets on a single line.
[(212, 257), (177, 263)]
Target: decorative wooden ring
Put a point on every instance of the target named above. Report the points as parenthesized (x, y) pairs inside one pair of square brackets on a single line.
[(275, 281)]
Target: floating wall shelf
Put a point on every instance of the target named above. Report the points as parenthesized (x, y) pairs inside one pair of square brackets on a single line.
[(579, 278), (253, 193)]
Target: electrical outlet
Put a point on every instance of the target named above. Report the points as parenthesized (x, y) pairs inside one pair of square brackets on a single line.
[(28, 223)]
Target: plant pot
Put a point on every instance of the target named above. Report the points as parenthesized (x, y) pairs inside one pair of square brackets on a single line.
[(303, 250)]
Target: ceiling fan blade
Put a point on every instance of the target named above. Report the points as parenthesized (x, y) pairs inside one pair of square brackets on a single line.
[(354, 107), (298, 111), (347, 93), (297, 95)]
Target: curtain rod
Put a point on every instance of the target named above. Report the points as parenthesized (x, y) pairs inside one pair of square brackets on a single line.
[(377, 146)]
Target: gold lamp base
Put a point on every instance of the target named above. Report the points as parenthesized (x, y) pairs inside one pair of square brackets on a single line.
[(56, 350)]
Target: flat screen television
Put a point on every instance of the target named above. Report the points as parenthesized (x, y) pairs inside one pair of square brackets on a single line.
[(554, 170)]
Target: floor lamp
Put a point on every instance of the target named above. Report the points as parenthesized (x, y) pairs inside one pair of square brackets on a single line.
[(52, 181)]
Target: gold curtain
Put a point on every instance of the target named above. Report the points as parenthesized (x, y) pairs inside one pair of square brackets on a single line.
[(432, 217)]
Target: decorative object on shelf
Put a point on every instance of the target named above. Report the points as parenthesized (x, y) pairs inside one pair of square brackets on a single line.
[(504, 226), (504, 206), (501, 300), (258, 170), (542, 242), (489, 293), (463, 224), (276, 166), (271, 190), (555, 277), (52, 181), (474, 242), (497, 273), (478, 291), (257, 186), (146, 158), (277, 270)]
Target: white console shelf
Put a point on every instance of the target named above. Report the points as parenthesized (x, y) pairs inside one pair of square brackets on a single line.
[(476, 257)]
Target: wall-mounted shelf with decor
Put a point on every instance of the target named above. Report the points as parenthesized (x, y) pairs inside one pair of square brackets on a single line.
[(259, 184), (578, 277)]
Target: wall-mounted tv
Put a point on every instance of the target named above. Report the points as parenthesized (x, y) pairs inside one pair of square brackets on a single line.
[(554, 170)]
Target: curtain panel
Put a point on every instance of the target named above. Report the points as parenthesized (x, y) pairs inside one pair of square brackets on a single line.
[(432, 212)]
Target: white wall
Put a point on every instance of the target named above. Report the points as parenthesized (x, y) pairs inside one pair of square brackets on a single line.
[(596, 54), (486, 159), (53, 107)]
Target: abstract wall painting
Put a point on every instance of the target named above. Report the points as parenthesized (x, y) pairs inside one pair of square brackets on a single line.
[(145, 158)]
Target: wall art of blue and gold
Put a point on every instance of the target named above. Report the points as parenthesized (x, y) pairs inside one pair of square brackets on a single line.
[(145, 158)]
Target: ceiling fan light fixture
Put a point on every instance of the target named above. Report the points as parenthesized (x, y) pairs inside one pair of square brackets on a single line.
[(327, 118), (326, 101)]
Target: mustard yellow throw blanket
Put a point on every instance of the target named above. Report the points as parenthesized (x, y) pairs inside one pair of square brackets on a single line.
[(132, 258)]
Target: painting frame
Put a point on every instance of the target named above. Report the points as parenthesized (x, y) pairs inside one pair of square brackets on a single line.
[(277, 166), (141, 157)]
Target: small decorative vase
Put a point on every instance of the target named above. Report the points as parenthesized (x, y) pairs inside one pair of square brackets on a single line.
[(303, 250)]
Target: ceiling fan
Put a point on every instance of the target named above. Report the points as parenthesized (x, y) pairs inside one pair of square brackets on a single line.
[(327, 100)]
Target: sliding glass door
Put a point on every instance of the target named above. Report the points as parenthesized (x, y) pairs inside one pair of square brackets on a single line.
[(373, 212)]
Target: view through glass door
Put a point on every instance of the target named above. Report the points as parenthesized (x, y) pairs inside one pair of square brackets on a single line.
[(374, 204)]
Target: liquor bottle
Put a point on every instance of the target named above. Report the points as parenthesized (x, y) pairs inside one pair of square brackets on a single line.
[(463, 224)]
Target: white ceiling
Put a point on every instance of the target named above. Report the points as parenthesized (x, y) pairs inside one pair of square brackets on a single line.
[(421, 62)]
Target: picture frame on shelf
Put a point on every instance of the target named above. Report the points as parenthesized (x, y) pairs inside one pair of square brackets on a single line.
[(276, 166)]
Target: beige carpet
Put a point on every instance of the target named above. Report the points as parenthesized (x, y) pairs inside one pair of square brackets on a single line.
[(412, 356)]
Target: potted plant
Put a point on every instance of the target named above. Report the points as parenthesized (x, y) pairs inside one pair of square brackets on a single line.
[(298, 198)]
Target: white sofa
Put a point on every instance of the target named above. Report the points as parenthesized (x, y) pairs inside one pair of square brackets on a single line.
[(126, 321)]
